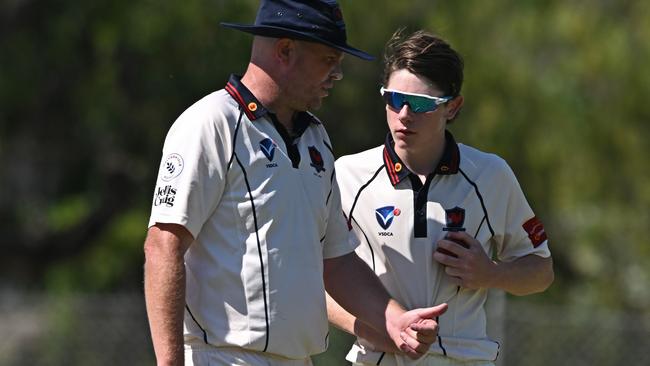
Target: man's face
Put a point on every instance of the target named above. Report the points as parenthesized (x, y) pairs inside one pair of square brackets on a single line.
[(314, 69), (412, 131)]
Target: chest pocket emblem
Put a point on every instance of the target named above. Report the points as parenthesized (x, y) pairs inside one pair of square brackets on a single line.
[(316, 159), (268, 148), (385, 215), (455, 218)]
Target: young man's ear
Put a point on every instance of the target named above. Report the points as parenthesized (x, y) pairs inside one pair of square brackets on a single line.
[(454, 106)]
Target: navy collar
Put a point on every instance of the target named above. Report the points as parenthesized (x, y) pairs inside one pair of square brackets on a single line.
[(255, 110), (397, 171), (246, 100)]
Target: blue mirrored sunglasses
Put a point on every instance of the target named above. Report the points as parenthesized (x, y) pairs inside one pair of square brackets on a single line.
[(418, 103)]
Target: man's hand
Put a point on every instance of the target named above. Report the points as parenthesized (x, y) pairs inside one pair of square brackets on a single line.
[(353, 285), (414, 331), (469, 266)]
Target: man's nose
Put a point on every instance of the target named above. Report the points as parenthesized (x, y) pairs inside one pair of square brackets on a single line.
[(337, 72)]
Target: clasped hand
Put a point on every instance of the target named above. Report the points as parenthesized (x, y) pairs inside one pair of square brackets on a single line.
[(465, 261), (414, 331)]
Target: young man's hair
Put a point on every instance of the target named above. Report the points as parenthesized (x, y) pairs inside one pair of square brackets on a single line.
[(427, 55)]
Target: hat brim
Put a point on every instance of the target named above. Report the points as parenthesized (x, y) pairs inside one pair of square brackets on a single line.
[(279, 32)]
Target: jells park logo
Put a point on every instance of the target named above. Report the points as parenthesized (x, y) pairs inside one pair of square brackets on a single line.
[(165, 196), (385, 216)]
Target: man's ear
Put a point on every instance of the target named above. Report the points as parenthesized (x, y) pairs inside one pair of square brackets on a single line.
[(285, 50), (454, 106)]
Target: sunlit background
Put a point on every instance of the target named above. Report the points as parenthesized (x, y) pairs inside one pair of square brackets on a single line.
[(88, 90)]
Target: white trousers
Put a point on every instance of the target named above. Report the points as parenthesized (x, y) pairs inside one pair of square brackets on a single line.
[(206, 355), (428, 360)]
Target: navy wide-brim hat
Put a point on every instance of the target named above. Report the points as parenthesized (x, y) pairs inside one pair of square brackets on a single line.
[(312, 20)]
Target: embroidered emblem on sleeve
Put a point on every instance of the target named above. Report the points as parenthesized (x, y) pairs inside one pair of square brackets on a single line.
[(172, 167), (535, 230)]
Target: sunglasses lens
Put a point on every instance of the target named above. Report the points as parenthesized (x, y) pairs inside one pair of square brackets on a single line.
[(422, 105), (417, 104), (394, 100)]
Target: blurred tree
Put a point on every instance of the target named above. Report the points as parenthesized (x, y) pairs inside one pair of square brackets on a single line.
[(88, 91)]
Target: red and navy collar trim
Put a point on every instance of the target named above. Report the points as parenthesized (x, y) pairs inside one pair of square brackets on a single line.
[(255, 110), (397, 171), (246, 100)]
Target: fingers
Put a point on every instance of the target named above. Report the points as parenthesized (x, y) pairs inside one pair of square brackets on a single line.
[(454, 272), (418, 337), (413, 348), (460, 238), (449, 248), (424, 331), (442, 256), (419, 330), (432, 312)]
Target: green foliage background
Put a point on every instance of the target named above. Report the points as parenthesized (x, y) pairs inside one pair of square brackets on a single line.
[(89, 89)]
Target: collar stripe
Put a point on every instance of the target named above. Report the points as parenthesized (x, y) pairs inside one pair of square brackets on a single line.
[(235, 94), (449, 161), (390, 166)]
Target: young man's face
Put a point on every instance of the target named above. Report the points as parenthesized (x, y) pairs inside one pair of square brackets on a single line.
[(412, 131), (315, 68)]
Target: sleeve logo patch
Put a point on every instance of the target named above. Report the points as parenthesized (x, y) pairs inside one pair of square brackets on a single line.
[(172, 167), (165, 196), (535, 230)]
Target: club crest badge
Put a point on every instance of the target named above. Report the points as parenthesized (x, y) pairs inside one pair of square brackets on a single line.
[(268, 148), (316, 159), (385, 216), (455, 218)]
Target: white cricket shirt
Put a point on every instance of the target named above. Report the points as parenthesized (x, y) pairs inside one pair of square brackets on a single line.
[(264, 213), (398, 220)]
